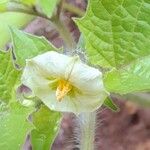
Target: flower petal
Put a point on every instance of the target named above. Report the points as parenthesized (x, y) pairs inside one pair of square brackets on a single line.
[(87, 79), (43, 72), (52, 63), (76, 105), (33, 76)]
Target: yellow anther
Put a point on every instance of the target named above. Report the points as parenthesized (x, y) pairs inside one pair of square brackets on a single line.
[(62, 89)]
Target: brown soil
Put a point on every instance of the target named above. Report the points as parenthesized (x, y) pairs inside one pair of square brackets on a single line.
[(127, 130)]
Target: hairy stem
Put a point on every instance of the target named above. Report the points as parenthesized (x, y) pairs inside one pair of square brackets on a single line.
[(88, 123)]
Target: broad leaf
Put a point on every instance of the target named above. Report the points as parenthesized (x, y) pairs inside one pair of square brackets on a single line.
[(28, 2), (110, 104), (3, 5), (47, 125), (48, 6), (26, 46), (132, 78), (11, 19), (117, 35), (117, 32), (9, 76), (14, 127)]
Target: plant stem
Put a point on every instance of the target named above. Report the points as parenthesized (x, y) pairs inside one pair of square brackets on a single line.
[(64, 33), (73, 9), (55, 20), (88, 123), (19, 8), (59, 8)]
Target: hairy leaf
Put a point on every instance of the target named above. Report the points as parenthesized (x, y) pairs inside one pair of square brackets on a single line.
[(117, 35), (27, 46), (9, 76), (47, 125), (117, 32), (132, 78), (14, 127)]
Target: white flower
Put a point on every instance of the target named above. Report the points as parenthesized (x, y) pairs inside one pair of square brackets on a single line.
[(64, 83)]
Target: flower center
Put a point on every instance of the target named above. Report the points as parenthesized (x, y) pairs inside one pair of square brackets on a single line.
[(62, 89)]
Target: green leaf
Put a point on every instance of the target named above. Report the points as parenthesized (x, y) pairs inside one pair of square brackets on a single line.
[(48, 6), (117, 32), (27, 46), (14, 127), (9, 76), (18, 20), (3, 106), (3, 5), (110, 104), (132, 78), (47, 125), (28, 2), (117, 35)]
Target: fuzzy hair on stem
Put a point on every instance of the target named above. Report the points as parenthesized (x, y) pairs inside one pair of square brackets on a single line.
[(87, 125)]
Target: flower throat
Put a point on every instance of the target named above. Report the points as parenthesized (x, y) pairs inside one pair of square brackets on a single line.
[(62, 89)]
